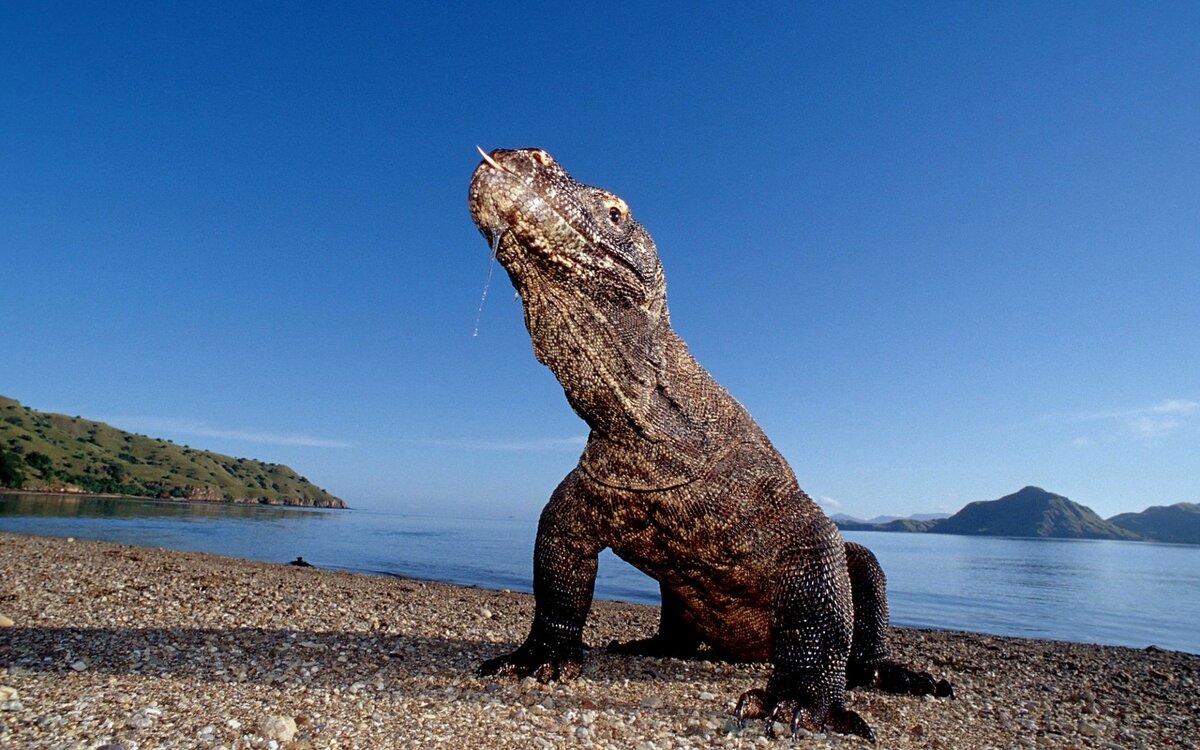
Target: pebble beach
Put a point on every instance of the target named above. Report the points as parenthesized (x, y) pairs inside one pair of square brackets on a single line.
[(130, 648)]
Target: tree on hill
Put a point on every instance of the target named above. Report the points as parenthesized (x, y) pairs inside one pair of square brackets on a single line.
[(12, 473)]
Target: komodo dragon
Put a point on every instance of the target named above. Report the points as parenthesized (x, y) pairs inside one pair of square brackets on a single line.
[(676, 477)]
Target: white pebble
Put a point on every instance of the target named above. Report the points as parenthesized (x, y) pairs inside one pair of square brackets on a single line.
[(282, 728)]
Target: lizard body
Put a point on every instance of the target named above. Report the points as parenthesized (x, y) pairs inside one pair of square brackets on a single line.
[(676, 478)]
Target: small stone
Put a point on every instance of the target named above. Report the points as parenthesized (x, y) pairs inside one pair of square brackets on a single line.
[(139, 721), (234, 724), (706, 696), (1088, 729), (548, 702), (654, 701), (528, 682), (79, 665), (6, 621), (583, 733), (282, 728), (11, 705), (8, 693), (485, 613)]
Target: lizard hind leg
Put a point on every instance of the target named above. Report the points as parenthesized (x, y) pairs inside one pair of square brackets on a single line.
[(676, 637), (870, 662)]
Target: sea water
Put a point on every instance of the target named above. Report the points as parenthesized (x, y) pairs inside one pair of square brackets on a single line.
[(1118, 593)]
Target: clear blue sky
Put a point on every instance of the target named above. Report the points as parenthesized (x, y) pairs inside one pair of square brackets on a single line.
[(940, 251)]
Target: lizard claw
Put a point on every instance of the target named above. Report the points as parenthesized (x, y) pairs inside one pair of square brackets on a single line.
[(753, 704), (892, 677), (521, 663)]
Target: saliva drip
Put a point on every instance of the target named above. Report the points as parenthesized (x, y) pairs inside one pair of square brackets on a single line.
[(488, 281)]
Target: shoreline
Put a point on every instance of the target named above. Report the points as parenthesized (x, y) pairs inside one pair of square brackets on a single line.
[(148, 499), (142, 647)]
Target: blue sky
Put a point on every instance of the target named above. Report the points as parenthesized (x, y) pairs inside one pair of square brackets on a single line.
[(940, 251)]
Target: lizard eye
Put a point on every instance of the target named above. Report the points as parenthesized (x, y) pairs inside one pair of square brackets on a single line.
[(614, 215)]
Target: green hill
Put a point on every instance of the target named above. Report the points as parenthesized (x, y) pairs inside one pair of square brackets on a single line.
[(1031, 512), (57, 453), (1179, 523)]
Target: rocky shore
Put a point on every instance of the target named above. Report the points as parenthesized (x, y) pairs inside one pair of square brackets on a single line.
[(110, 646)]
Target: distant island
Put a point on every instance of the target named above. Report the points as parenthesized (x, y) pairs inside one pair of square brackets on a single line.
[(1034, 512), (42, 452)]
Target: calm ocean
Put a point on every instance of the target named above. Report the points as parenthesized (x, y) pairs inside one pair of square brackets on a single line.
[(1118, 593)]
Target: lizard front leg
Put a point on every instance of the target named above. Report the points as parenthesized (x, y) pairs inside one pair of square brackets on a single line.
[(870, 662), (564, 576), (812, 631)]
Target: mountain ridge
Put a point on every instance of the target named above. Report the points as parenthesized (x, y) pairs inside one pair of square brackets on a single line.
[(1034, 512), (1178, 523)]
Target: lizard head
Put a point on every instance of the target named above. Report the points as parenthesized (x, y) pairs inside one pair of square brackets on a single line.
[(550, 229), (588, 274)]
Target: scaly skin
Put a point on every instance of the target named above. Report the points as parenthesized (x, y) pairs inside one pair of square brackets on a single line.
[(676, 477)]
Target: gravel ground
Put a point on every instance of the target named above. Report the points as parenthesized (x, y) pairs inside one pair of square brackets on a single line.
[(110, 646)]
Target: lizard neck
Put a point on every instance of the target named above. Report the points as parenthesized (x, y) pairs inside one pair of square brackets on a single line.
[(657, 418)]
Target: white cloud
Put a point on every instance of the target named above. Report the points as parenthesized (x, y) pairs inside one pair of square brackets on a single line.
[(1144, 423), (828, 503), (547, 444), (1149, 427), (150, 425), (1170, 406)]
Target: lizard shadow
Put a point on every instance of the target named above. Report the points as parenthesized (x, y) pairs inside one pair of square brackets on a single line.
[(315, 660)]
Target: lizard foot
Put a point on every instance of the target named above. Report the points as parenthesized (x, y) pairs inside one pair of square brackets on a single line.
[(524, 662), (893, 677), (656, 646), (757, 704)]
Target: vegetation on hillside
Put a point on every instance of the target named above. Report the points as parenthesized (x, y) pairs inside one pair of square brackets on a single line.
[(57, 453)]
